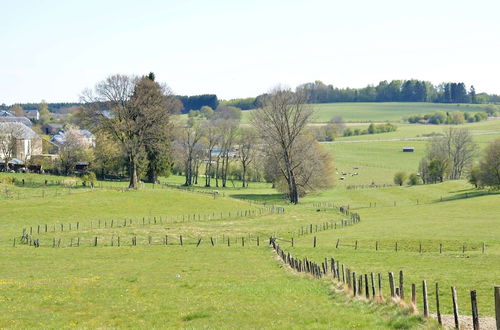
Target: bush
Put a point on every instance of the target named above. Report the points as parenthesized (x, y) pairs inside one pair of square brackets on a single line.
[(89, 178), (413, 179), (399, 178)]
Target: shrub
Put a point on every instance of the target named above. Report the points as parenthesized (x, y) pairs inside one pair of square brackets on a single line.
[(413, 179), (399, 178)]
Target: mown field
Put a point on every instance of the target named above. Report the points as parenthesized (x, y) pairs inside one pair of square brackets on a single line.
[(378, 111)]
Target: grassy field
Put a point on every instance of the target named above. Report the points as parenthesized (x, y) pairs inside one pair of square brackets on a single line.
[(378, 111), (164, 286), (203, 284), (452, 214), (379, 156)]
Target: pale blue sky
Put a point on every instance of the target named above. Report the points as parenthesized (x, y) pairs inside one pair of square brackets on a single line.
[(52, 50)]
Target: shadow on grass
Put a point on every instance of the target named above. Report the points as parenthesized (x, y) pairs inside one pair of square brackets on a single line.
[(268, 198), (467, 193)]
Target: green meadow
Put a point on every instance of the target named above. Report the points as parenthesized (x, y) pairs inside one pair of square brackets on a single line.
[(224, 275), (378, 111)]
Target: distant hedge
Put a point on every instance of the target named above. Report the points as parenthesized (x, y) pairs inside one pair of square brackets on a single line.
[(450, 118)]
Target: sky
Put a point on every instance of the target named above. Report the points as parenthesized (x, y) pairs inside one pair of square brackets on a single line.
[(53, 50)]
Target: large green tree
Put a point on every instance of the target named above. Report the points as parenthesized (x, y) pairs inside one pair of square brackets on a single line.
[(135, 112)]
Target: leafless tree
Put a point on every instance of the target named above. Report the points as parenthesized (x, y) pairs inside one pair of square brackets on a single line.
[(10, 133), (280, 122), (211, 139), (188, 145), (72, 150), (454, 153), (228, 130), (247, 145)]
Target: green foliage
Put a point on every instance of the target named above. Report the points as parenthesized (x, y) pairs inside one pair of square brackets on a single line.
[(44, 113), (400, 178), (372, 129), (449, 118), (89, 179), (474, 176), (488, 173), (413, 179)]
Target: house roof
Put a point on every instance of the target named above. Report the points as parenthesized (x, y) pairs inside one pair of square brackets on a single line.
[(31, 113), (22, 120), (5, 113), (19, 130), (60, 137)]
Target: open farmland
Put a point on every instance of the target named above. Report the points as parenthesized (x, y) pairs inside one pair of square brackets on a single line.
[(171, 256), (377, 157), (378, 111)]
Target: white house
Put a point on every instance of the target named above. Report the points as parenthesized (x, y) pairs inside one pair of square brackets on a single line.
[(32, 114), (26, 142), (86, 138)]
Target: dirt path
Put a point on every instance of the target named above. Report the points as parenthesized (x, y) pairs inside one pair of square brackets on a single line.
[(485, 323)]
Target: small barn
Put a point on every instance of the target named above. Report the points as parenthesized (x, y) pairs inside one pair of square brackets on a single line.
[(408, 149)]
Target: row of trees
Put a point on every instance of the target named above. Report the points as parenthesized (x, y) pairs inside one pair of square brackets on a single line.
[(450, 118), (132, 119), (276, 146), (395, 91)]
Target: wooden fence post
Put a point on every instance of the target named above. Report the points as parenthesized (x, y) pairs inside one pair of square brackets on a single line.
[(455, 307), (475, 316), (372, 277), (414, 294), (354, 288), (497, 305), (314, 241), (367, 290), (426, 302), (438, 309), (380, 285), (391, 283), (401, 285)]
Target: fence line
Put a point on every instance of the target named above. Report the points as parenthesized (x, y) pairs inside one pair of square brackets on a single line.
[(150, 220), (354, 283)]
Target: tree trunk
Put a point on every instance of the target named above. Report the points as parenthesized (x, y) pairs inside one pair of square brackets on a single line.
[(217, 173), (244, 165), (292, 185), (133, 184)]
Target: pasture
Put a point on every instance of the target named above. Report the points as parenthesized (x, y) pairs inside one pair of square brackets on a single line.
[(378, 111), (378, 157), (152, 284), (186, 258)]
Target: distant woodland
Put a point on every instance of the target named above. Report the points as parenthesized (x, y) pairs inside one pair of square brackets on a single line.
[(319, 92)]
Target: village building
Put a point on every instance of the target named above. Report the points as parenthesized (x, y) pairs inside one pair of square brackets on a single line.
[(26, 142), (32, 114), (86, 138)]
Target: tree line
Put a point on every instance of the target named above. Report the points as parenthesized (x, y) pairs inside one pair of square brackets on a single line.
[(412, 90), (397, 91), (450, 118)]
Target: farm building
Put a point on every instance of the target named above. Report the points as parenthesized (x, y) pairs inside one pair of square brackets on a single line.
[(408, 149)]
